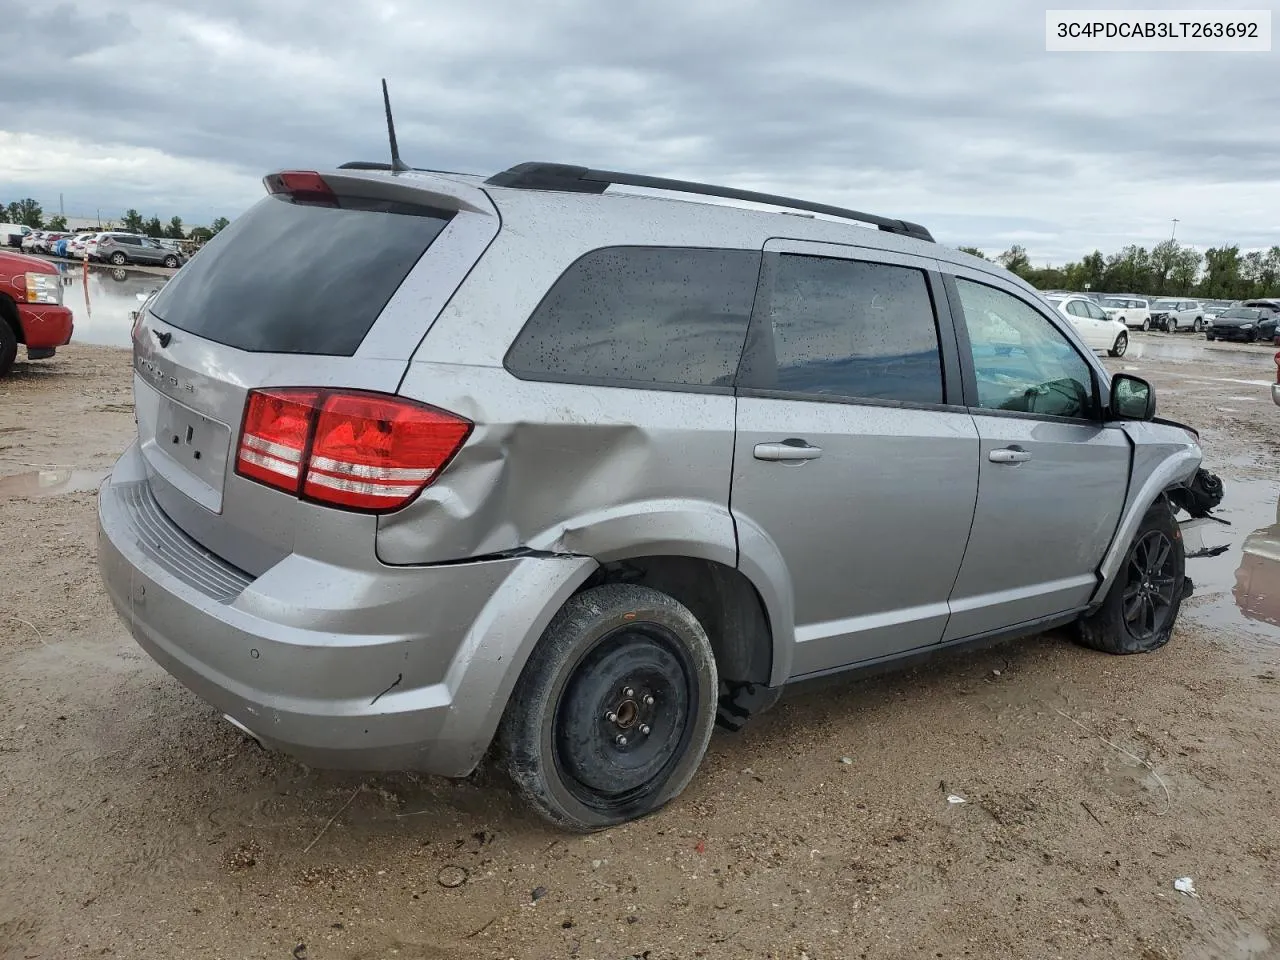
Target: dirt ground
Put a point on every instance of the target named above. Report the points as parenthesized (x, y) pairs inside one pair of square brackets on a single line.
[(136, 823)]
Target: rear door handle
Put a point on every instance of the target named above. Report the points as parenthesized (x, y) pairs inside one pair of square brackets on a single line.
[(1009, 455), (787, 450)]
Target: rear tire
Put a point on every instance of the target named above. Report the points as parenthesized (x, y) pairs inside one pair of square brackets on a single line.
[(613, 712), (1146, 325), (1198, 325), (1120, 346), (8, 347), (1142, 605)]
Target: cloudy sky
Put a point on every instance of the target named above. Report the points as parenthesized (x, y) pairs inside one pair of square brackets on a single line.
[(950, 114)]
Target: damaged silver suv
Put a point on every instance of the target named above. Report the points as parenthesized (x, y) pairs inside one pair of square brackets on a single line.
[(428, 463)]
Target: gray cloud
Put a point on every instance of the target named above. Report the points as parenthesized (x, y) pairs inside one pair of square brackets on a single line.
[(950, 114)]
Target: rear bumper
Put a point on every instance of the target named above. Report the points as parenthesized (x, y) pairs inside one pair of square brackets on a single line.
[(1275, 394), (384, 668), (45, 325)]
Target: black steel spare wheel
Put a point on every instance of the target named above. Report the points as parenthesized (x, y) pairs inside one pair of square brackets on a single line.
[(1142, 604), (623, 718), (614, 709)]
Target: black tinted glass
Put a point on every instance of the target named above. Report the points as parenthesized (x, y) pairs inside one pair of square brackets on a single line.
[(642, 315), (849, 329), (291, 278)]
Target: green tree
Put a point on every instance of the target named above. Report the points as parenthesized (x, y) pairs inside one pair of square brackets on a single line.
[(973, 251), (1164, 256), (132, 221), (27, 212), (200, 234), (1221, 273), (1186, 267), (1128, 271), (58, 222), (153, 227), (219, 224), (1015, 260), (174, 229)]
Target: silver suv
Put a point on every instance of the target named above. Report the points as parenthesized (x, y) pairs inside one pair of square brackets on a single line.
[(122, 248), (427, 463)]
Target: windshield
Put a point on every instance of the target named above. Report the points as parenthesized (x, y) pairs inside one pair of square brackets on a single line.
[(1113, 302), (1165, 305), (1240, 313)]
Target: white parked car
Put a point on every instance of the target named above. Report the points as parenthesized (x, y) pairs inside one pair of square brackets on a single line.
[(1132, 312), (1097, 330), (1172, 315), (76, 247)]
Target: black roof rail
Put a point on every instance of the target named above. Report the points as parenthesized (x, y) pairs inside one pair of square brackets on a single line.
[(561, 176), (378, 165)]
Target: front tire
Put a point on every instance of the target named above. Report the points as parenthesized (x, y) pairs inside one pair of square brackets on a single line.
[(1171, 326), (171, 262), (1142, 605), (119, 259), (1120, 346), (8, 347), (613, 712)]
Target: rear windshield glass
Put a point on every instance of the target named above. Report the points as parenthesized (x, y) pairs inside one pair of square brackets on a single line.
[(293, 278)]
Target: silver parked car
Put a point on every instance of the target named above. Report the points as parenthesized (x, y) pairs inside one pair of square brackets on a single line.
[(431, 463), (122, 248), (1172, 315)]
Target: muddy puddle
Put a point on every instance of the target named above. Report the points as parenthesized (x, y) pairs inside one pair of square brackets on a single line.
[(1239, 590), (51, 483)]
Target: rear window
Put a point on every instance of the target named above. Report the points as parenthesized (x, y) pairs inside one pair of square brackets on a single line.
[(642, 315), (295, 278)]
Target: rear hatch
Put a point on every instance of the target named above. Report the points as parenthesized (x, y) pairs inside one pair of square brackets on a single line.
[(329, 282)]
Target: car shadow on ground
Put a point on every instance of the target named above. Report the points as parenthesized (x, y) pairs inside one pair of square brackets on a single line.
[(817, 722)]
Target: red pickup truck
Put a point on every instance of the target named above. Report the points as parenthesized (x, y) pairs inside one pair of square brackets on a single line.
[(31, 310)]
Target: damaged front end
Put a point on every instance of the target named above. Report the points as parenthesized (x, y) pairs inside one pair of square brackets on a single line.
[(1198, 498)]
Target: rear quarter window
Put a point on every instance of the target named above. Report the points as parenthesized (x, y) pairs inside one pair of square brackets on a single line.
[(297, 278), (646, 316)]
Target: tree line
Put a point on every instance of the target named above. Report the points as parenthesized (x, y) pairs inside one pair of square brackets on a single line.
[(1166, 270), (29, 212)]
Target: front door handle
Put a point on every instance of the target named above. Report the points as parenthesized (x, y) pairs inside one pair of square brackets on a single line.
[(787, 450), (1009, 455)]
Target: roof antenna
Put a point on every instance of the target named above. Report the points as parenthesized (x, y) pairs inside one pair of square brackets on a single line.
[(397, 165)]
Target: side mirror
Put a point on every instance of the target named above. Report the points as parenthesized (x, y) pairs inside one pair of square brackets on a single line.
[(1132, 398)]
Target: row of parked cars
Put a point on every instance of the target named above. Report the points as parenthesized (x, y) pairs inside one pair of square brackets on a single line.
[(1248, 321), (111, 246)]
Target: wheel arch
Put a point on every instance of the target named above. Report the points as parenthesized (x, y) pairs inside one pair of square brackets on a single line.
[(1155, 471)]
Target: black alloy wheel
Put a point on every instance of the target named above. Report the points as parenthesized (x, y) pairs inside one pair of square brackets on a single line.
[(1151, 580)]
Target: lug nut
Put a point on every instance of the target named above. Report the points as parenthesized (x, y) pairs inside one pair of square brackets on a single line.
[(611, 717), (644, 729), (648, 700), (628, 692), (620, 740)]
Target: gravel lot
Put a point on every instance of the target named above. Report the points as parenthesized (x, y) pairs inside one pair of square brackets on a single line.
[(136, 823)]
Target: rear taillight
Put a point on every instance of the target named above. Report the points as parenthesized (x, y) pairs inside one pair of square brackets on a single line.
[(360, 451), (1278, 363), (301, 186)]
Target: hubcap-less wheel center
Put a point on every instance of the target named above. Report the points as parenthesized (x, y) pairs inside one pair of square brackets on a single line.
[(625, 716)]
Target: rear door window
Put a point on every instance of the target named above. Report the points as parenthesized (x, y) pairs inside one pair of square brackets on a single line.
[(848, 329), (642, 316), (296, 278)]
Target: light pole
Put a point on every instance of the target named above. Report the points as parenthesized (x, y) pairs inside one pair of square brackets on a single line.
[(1175, 229)]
